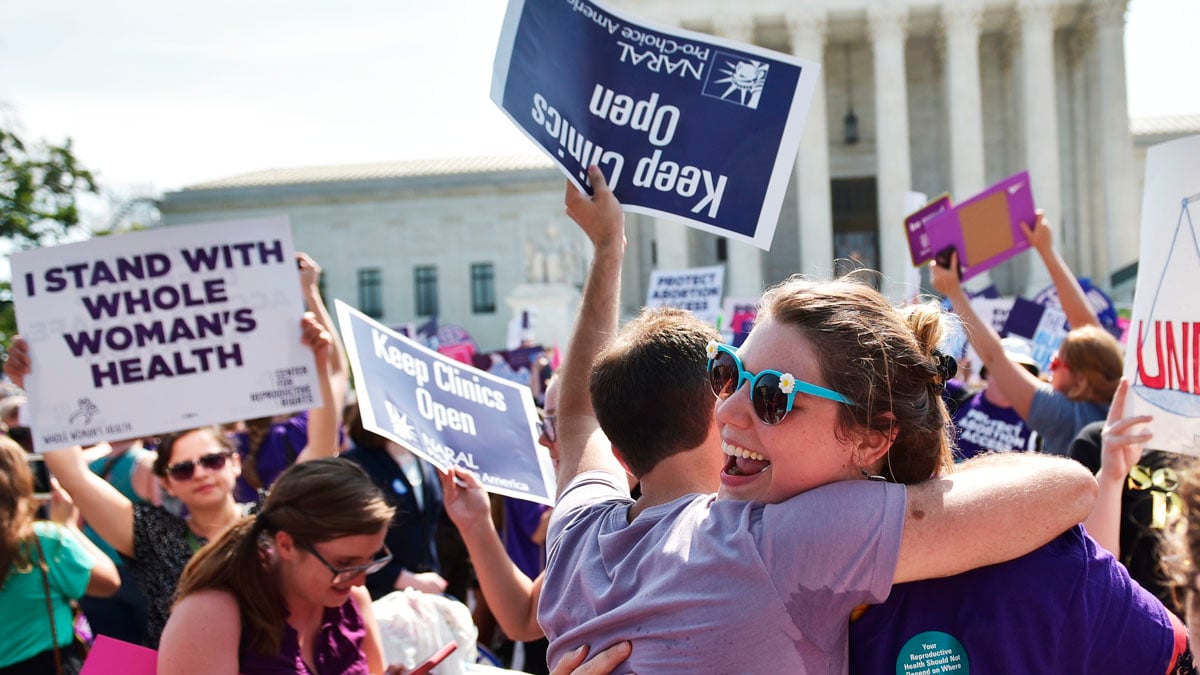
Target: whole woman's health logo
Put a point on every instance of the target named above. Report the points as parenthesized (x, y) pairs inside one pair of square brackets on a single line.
[(1168, 344)]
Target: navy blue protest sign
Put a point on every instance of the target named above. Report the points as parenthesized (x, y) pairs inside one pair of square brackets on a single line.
[(449, 413), (684, 126), (1044, 326)]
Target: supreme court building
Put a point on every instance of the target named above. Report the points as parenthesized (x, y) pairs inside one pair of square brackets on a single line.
[(914, 96)]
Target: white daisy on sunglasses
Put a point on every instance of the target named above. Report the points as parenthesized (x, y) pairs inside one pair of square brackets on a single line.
[(712, 349), (787, 383)]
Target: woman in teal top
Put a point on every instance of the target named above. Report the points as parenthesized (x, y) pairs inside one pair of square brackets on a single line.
[(43, 566)]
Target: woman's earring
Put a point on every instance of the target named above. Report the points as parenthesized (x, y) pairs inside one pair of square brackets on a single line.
[(872, 476)]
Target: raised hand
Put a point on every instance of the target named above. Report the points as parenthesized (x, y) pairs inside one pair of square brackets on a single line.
[(18, 364), (314, 336), (600, 216), (945, 280), (310, 271), (1040, 237), (1123, 438)]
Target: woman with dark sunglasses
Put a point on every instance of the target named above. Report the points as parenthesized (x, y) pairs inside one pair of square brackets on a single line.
[(282, 591), (196, 466), (833, 396)]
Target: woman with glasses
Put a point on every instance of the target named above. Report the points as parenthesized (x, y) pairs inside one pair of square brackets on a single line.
[(282, 591), (1084, 373), (832, 394), (197, 466)]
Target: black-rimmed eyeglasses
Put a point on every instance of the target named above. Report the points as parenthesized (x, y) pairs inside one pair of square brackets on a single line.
[(343, 574)]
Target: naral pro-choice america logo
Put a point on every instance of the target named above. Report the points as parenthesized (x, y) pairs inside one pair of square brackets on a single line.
[(736, 79)]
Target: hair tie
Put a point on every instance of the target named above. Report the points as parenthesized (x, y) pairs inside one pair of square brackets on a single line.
[(947, 367)]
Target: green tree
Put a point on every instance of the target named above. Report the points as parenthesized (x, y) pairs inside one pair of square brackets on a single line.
[(39, 186)]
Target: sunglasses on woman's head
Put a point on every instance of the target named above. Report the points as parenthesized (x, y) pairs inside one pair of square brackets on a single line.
[(773, 393), (184, 470)]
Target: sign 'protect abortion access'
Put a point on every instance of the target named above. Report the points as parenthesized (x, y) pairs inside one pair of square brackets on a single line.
[(684, 126), (160, 330)]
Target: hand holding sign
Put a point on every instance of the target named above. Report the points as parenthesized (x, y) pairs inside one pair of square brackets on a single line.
[(1039, 235), (599, 216), (465, 500), (945, 278), (18, 364)]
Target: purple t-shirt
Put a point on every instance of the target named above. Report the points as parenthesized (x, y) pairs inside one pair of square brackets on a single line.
[(983, 426), (279, 449), (1067, 607), (718, 586), (521, 519), (337, 647)]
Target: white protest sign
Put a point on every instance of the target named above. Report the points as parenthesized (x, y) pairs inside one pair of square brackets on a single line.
[(994, 311), (165, 329), (1162, 362), (445, 411), (697, 290)]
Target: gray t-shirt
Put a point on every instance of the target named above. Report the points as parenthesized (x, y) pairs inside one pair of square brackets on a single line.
[(1059, 419), (706, 586)]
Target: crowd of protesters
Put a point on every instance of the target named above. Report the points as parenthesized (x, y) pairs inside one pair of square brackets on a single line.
[(807, 502)]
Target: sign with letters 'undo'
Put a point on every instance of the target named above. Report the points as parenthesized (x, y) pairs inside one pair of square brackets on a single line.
[(683, 125), (1162, 359), (166, 329), (449, 413)]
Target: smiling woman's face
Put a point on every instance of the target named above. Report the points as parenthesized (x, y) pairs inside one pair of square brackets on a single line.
[(804, 450)]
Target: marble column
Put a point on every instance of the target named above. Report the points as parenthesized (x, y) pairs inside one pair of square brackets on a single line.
[(1082, 187), (1040, 99), (744, 264), (671, 245), (887, 27), (807, 31), (960, 21), (1121, 217)]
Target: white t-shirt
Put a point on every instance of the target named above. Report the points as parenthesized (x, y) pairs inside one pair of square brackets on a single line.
[(700, 585)]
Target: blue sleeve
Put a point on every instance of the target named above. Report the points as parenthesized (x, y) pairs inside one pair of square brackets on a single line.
[(1058, 418)]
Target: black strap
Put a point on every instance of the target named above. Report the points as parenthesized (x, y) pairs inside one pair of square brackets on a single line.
[(112, 463), (49, 606)]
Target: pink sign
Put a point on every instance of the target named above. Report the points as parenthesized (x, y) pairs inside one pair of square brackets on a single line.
[(110, 655)]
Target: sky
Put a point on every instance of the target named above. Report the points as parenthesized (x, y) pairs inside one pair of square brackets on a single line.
[(158, 95)]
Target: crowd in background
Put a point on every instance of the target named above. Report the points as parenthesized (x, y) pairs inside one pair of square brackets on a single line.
[(273, 538)]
